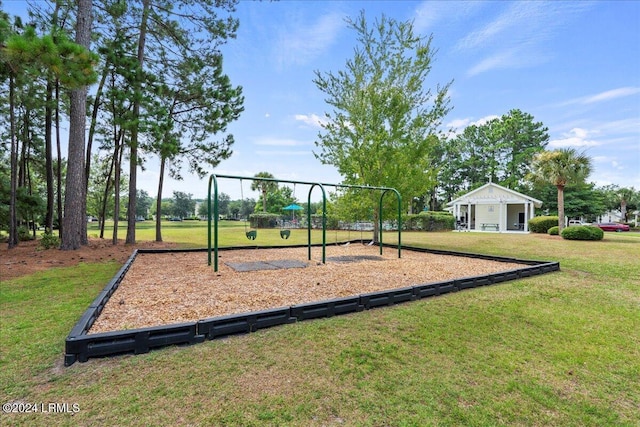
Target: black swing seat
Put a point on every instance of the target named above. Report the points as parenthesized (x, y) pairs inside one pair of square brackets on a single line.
[(284, 234), (252, 234)]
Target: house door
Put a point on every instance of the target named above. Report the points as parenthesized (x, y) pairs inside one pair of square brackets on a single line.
[(520, 220)]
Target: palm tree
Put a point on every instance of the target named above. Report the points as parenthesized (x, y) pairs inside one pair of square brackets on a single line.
[(625, 197), (264, 186), (561, 167)]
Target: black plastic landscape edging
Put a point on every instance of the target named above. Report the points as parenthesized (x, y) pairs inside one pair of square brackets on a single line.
[(81, 346)]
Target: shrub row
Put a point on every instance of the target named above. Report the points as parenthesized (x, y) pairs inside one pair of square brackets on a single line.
[(542, 224), (429, 221), (263, 220)]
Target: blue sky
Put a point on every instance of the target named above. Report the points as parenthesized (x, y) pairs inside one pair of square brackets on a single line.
[(575, 66)]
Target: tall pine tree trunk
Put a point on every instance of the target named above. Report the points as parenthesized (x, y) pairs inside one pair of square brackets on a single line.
[(92, 127), (159, 201), (133, 158), (48, 138), (107, 189), (48, 150), (22, 159), (75, 217), (59, 165), (117, 155), (13, 218)]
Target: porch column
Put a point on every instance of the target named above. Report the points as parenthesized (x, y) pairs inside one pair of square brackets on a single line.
[(468, 216), (525, 228)]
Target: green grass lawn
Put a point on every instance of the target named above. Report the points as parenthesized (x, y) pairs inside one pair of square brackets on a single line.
[(562, 349), (232, 233)]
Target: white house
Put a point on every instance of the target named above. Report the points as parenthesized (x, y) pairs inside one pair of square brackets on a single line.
[(493, 207), (611, 216)]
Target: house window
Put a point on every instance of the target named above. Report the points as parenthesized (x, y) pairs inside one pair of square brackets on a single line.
[(490, 208)]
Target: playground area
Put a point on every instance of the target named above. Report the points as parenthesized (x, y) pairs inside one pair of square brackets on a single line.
[(161, 298), (175, 287)]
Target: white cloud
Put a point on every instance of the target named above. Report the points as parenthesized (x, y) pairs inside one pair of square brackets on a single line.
[(463, 123), (303, 43), (458, 123), (429, 13), (483, 120), (509, 58), (457, 126), (312, 120), (607, 95), (605, 175), (576, 137), (622, 126), (267, 115), (521, 22), (611, 94), (518, 37)]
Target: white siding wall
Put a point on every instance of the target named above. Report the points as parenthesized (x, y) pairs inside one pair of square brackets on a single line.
[(487, 214)]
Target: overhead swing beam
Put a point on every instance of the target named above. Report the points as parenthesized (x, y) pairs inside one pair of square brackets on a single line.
[(213, 182)]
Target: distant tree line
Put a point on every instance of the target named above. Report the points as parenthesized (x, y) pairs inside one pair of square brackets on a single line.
[(159, 90)]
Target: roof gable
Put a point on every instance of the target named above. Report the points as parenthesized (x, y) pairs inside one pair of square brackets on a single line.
[(491, 192)]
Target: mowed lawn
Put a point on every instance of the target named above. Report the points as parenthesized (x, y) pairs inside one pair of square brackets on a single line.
[(194, 233), (562, 349)]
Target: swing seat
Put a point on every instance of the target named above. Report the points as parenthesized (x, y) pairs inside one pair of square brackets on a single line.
[(284, 234), (252, 234)]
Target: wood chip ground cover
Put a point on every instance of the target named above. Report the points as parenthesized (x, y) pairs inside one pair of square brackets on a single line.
[(177, 287)]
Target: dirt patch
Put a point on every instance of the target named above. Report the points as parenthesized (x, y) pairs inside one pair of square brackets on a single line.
[(28, 257)]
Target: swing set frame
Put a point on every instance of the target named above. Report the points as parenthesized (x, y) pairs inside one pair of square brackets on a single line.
[(213, 213)]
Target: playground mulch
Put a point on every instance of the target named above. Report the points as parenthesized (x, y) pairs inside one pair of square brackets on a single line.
[(175, 287)]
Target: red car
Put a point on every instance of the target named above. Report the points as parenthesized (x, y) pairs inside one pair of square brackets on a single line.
[(612, 226)]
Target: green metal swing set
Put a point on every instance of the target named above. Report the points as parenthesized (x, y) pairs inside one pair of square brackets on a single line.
[(252, 234)]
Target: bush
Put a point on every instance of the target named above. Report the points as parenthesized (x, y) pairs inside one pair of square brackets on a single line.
[(24, 234), (553, 231), (542, 224), (263, 220), (333, 222), (582, 232), (429, 221), (49, 241)]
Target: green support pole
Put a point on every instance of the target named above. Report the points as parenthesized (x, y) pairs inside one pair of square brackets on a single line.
[(399, 223), (324, 222), (209, 222), (380, 220), (213, 179), (399, 219)]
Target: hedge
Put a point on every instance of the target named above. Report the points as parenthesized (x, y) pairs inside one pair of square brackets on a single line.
[(553, 231), (542, 224), (263, 220), (582, 232), (429, 221)]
